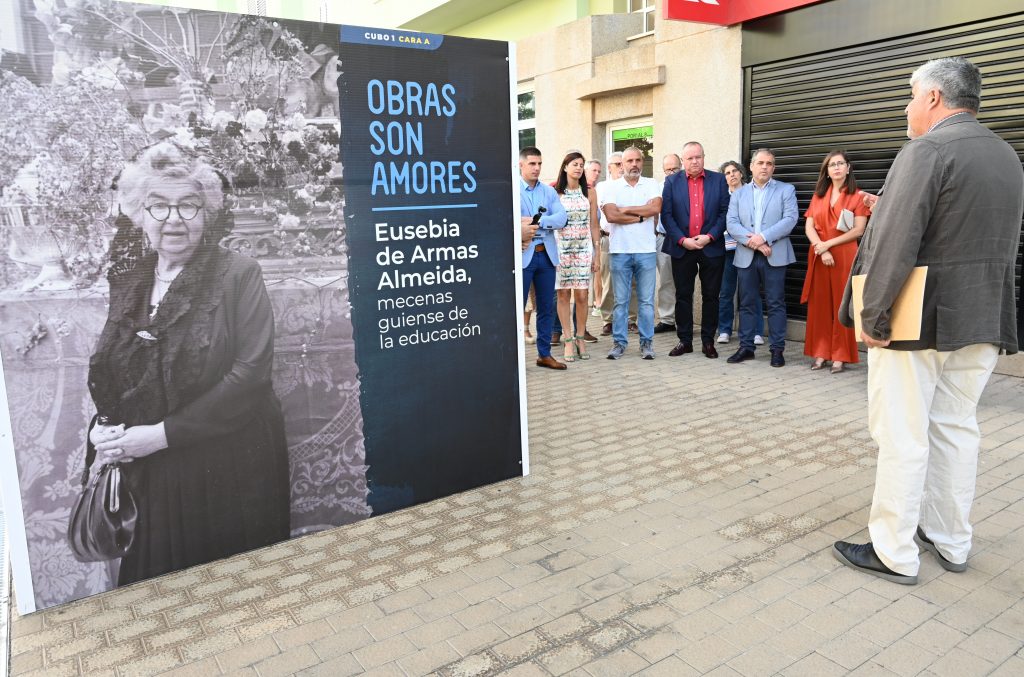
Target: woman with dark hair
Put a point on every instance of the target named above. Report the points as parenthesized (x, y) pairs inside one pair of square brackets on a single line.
[(836, 219), (735, 177), (578, 252), (181, 376)]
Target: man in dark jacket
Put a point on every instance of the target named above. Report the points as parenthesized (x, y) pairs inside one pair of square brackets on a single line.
[(952, 202), (693, 206)]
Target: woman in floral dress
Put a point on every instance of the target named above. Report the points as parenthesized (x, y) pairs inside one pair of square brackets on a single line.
[(578, 253)]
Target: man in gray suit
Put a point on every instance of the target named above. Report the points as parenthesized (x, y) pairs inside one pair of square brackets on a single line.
[(760, 218), (952, 201)]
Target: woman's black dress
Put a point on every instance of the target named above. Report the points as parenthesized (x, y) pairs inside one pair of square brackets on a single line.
[(202, 365)]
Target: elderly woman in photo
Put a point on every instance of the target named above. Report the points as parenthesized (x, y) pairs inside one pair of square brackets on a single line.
[(181, 376)]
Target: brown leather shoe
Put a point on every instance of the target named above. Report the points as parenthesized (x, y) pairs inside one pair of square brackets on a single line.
[(550, 363), (589, 338), (606, 330), (681, 348), (709, 350)]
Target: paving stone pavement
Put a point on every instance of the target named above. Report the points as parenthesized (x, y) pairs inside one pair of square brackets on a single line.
[(677, 521)]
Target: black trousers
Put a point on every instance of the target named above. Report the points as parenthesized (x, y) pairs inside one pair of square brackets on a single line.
[(684, 271)]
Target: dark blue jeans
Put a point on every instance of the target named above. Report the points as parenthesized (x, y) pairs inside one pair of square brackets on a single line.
[(751, 279), (726, 297), (541, 274)]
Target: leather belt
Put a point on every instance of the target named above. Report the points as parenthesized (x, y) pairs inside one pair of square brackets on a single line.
[(605, 233), (538, 248)]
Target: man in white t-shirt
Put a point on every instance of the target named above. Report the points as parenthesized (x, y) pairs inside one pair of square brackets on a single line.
[(631, 205)]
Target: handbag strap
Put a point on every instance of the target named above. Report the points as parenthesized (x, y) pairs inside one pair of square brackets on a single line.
[(90, 451), (114, 493)]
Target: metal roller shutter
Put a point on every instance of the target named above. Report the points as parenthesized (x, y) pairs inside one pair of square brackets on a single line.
[(854, 97)]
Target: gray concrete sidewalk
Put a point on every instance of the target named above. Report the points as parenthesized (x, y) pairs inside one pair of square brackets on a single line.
[(678, 521)]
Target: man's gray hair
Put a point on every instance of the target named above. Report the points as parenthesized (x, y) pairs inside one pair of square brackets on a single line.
[(693, 143), (757, 152), (672, 155), (632, 149), (955, 77), (613, 156), (594, 161)]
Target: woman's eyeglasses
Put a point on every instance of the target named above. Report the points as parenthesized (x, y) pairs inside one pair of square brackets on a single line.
[(836, 164), (161, 211)]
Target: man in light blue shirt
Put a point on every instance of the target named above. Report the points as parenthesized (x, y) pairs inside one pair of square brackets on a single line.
[(540, 250), (761, 216)]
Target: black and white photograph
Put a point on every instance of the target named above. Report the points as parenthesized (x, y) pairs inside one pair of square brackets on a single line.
[(176, 328), (257, 280)]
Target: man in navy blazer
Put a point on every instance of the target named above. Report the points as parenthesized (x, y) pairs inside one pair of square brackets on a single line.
[(761, 216), (693, 208)]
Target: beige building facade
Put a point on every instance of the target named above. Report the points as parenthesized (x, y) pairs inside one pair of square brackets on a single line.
[(791, 82), (599, 76)]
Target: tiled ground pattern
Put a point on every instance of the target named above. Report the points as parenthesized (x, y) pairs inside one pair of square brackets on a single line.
[(677, 521)]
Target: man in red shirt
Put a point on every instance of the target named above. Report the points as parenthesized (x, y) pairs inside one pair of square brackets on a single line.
[(693, 208)]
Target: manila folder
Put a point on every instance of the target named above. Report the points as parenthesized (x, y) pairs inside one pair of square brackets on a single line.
[(906, 310)]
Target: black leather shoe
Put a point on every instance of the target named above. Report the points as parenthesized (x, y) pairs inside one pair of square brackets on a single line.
[(863, 558), (681, 348), (661, 328), (927, 544), (741, 355), (777, 359), (709, 350)]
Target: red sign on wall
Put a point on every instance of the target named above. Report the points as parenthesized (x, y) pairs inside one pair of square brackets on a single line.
[(728, 12)]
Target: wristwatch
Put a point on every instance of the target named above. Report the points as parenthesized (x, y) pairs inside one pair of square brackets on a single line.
[(639, 219)]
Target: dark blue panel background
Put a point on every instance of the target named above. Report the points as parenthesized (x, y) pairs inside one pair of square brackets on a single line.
[(443, 417)]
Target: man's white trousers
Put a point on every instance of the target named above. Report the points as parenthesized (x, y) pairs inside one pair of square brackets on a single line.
[(922, 413)]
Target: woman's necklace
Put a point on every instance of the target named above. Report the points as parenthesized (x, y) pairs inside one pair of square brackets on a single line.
[(160, 289), (159, 278)]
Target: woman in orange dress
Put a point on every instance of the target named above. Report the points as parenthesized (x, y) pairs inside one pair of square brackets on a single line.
[(829, 261)]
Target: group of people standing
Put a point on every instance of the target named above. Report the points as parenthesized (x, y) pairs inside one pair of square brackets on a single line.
[(651, 241), (952, 204)]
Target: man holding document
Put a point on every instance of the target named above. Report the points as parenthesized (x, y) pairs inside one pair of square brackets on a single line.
[(952, 202)]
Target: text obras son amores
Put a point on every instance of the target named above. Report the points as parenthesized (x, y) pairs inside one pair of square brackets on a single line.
[(399, 138)]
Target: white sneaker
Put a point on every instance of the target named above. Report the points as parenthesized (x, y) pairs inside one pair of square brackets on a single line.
[(758, 341), (723, 338)]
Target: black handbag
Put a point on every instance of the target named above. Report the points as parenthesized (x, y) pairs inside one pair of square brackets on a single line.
[(103, 519)]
